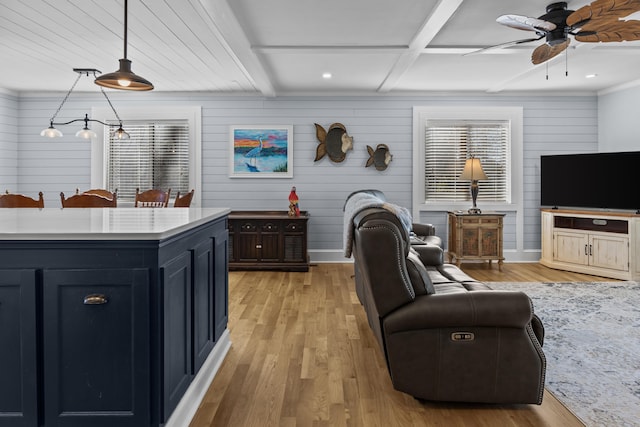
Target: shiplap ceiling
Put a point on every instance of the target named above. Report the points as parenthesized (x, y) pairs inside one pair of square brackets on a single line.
[(282, 47)]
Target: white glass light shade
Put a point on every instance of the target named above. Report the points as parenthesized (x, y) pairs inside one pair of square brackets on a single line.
[(51, 132), (86, 133)]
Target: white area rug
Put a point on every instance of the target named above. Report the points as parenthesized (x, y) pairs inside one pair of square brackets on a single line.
[(592, 345)]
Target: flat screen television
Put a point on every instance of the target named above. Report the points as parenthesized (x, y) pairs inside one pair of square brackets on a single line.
[(594, 180)]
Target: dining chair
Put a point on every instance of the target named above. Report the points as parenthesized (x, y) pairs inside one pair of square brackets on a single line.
[(11, 200), (87, 201), (101, 192), (152, 198), (183, 201)]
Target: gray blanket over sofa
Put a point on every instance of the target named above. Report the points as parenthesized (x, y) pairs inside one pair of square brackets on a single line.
[(361, 201)]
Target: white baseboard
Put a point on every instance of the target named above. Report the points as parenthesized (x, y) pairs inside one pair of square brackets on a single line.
[(188, 405)]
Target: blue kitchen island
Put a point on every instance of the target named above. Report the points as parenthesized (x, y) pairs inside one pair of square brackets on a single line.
[(110, 316)]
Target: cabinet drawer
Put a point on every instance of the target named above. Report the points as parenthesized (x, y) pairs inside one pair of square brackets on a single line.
[(270, 227)]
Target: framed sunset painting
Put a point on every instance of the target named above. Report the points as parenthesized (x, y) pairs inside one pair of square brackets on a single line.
[(261, 152)]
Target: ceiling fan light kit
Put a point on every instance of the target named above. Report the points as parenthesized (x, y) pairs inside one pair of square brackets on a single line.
[(600, 21)]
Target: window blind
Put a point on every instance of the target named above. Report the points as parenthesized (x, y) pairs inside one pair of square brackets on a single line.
[(155, 156), (448, 143)]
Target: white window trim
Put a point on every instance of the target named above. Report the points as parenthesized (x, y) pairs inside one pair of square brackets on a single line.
[(192, 114), (512, 114), (516, 173)]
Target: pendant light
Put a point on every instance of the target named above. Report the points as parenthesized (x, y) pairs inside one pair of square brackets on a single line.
[(85, 132), (124, 78)]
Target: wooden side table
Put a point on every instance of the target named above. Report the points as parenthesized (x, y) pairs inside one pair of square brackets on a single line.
[(475, 237)]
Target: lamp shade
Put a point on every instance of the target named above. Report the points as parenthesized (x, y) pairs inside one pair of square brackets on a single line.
[(51, 132), (124, 78), (86, 133), (473, 170)]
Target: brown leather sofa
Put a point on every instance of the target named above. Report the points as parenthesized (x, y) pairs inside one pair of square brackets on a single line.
[(444, 335)]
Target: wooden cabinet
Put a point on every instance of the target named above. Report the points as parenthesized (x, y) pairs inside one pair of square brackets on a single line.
[(475, 237), (601, 244), (268, 240), (112, 332)]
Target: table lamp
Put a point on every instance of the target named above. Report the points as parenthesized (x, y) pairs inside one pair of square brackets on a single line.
[(473, 172)]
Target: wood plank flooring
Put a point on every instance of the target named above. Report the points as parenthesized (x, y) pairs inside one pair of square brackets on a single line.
[(302, 354)]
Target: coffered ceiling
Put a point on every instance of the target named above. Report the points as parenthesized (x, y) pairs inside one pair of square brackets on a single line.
[(283, 47)]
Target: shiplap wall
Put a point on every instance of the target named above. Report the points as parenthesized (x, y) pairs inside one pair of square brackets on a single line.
[(552, 124), (617, 126), (8, 141)]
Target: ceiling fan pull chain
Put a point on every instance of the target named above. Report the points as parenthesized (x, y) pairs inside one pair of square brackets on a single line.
[(566, 63), (547, 67)]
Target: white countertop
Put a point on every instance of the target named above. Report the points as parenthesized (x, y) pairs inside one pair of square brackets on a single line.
[(101, 223)]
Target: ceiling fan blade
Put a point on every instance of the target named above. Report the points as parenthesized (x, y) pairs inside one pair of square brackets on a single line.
[(609, 31), (503, 45), (603, 10), (545, 52), (521, 22)]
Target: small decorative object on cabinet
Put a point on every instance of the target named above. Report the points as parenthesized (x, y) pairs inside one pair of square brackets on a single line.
[(268, 240), (294, 207), (335, 142), (380, 157), (590, 242), (475, 237)]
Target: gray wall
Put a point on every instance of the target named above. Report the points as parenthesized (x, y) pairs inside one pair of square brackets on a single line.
[(8, 141), (618, 120), (552, 124)]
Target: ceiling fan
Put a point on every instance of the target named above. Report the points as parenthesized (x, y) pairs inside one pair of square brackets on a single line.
[(599, 21)]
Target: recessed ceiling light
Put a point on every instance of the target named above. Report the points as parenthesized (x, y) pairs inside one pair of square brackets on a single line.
[(326, 75), (591, 76)]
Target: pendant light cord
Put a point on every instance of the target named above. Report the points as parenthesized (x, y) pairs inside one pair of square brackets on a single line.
[(111, 105), (125, 27), (66, 97)]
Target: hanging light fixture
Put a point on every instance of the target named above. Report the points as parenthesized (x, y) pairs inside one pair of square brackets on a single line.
[(85, 132), (124, 78)]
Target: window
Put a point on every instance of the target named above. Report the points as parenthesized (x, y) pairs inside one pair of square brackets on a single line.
[(155, 156), (444, 137), (163, 152), (448, 143)]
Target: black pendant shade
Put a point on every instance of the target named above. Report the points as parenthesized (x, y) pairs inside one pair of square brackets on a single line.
[(124, 78)]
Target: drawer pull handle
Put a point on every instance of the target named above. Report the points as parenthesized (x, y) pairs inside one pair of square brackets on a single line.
[(95, 299), (258, 246)]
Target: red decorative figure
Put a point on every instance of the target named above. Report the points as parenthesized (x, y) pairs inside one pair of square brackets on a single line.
[(294, 209)]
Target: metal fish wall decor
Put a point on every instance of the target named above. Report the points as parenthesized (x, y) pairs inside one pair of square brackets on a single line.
[(335, 142), (380, 157)]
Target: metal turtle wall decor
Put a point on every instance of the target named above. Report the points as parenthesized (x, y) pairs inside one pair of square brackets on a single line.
[(335, 142), (380, 157)]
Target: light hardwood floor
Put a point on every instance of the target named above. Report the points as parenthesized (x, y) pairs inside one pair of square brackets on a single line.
[(302, 354)]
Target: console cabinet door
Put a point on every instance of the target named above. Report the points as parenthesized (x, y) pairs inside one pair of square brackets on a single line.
[(609, 251), (96, 347), (18, 365), (571, 247)]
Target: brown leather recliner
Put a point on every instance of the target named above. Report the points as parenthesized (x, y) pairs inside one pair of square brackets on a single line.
[(445, 336)]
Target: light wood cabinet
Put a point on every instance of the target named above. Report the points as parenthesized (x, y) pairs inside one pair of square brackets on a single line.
[(601, 244), (475, 237)]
